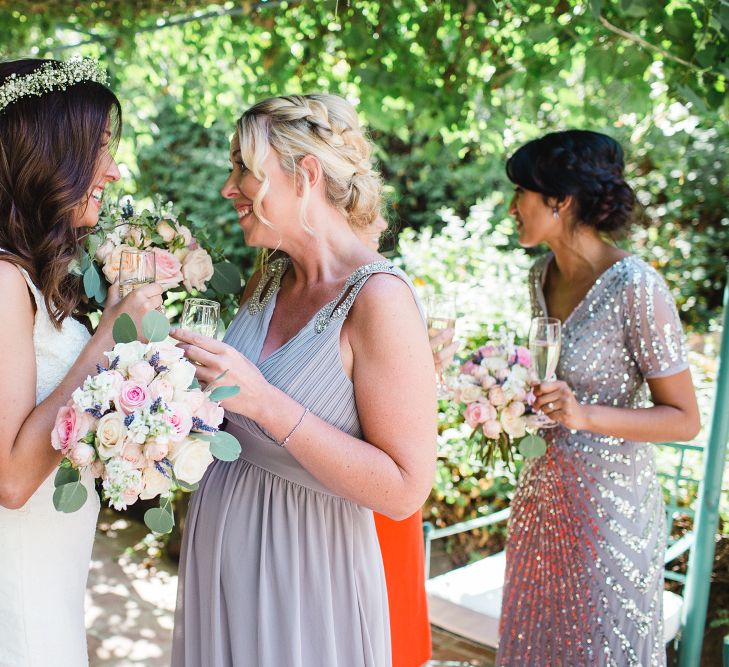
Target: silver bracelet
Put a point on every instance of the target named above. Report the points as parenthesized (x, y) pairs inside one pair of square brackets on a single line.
[(285, 441)]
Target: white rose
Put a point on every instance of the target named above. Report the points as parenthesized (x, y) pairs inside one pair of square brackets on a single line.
[(155, 483), (168, 352), (104, 250), (180, 375), (194, 398), (141, 371), (82, 455), (166, 231), (185, 233), (514, 426), (494, 364), (197, 269), (112, 263), (128, 353), (190, 459), (110, 434), (181, 253), (470, 392)]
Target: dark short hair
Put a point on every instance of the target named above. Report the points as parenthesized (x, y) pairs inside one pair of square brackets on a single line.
[(587, 165), (49, 154)]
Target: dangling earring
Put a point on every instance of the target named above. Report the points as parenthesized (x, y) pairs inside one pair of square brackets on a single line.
[(555, 213)]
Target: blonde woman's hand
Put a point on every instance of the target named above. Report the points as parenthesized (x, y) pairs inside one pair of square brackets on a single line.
[(558, 402), (214, 358), (443, 347)]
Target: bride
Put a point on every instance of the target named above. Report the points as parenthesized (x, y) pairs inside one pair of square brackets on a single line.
[(57, 121)]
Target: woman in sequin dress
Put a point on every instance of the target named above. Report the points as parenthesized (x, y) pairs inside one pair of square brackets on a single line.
[(280, 564), (584, 575)]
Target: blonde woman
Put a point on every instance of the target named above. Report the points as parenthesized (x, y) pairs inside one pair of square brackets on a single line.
[(281, 564)]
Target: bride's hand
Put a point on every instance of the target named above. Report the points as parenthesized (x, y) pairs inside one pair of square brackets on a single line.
[(558, 402), (214, 358), (135, 304)]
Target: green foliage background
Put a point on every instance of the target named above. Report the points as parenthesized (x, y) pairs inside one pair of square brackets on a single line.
[(447, 89)]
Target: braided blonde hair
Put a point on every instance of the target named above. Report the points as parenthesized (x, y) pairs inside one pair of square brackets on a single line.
[(326, 127)]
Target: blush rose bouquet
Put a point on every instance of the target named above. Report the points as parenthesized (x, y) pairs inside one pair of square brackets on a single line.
[(184, 257), (494, 394), (142, 425)]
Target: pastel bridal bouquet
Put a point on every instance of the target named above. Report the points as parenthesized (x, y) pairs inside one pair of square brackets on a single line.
[(184, 258), (142, 425), (495, 397)]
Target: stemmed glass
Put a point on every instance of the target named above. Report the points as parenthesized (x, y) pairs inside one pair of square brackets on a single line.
[(441, 314), (136, 268), (545, 340), (200, 316)]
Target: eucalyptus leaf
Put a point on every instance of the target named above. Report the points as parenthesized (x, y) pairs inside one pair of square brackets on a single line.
[(224, 446), (187, 487), (194, 384), (102, 291), (124, 331), (532, 447), (70, 497), (226, 278), (221, 393), (159, 520), (66, 476), (91, 282), (155, 326)]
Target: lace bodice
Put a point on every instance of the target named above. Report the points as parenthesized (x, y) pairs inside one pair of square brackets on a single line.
[(55, 349)]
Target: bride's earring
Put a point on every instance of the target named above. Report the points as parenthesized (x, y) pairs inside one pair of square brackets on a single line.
[(555, 213)]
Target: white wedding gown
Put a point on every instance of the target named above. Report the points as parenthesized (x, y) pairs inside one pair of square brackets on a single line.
[(44, 554)]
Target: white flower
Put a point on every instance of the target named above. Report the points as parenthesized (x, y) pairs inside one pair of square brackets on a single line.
[(197, 269), (122, 483), (470, 392), (185, 233), (110, 435), (180, 375), (128, 354), (166, 231), (494, 364), (104, 250), (155, 483), (112, 263), (190, 459), (514, 426)]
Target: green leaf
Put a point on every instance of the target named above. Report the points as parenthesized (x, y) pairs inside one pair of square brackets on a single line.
[(224, 446), (221, 393), (221, 376), (226, 278), (70, 497), (187, 487), (596, 7), (124, 330), (155, 326), (66, 476), (102, 292), (91, 282), (194, 384), (532, 447), (159, 520)]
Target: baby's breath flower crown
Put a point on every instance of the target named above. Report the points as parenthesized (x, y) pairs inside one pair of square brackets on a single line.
[(49, 77)]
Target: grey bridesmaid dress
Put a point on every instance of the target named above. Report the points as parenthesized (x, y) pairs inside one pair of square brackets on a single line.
[(276, 569)]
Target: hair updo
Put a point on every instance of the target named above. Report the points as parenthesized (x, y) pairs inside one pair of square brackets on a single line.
[(326, 127), (587, 165)]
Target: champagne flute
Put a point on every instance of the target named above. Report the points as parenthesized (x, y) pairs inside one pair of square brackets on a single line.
[(441, 314), (200, 316), (136, 268), (545, 340)]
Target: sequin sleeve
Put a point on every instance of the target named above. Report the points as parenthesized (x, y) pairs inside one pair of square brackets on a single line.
[(654, 336)]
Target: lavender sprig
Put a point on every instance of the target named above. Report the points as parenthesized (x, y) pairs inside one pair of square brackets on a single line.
[(199, 425)]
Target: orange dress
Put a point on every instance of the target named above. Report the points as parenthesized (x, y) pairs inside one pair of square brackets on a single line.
[(401, 543)]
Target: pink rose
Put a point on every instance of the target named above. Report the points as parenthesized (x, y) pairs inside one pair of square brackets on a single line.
[(180, 419), (479, 412), (487, 381), (97, 469), (81, 455), (197, 269), (468, 368), (141, 371), (67, 429), (523, 357), (104, 250), (156, 451), (160, 388), (185, 233), (487, 350), (166, 231), (492, 429), (167, 269), (132, 396), (211, 413), (132, 452), (130, 496), (516, 409), (497, 396)]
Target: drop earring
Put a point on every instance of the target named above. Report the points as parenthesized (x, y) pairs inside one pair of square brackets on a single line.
[(555, 213)]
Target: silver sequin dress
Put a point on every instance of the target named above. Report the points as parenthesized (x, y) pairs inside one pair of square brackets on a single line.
[(584, 573)]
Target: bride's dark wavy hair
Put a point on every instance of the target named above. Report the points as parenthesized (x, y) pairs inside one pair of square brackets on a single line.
[(587, 165), (49, 154)]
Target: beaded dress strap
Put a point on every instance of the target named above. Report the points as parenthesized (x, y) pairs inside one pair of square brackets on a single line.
[(270, 281), (338, 308)]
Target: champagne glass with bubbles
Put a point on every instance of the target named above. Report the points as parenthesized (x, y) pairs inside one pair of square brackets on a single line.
[(200, 316), (545, 340), (136, 268), (441, 314)]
